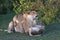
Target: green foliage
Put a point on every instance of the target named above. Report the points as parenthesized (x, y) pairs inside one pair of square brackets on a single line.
[(21, 6), (48, 10)]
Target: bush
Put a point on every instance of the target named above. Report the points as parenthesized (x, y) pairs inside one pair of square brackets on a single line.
[(21, 6), (48, 10)]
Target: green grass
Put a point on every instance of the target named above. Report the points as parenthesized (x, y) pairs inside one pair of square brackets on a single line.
[(52, 31)]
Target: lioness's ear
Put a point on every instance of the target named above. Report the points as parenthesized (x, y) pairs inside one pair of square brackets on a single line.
[(26, 13)]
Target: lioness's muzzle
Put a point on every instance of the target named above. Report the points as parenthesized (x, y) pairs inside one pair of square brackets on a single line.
[(35, 18)]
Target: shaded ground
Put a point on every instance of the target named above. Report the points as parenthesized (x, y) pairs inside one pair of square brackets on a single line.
[(52, 31)]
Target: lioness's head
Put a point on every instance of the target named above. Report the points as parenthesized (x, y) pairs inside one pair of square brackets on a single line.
[(32, 15)]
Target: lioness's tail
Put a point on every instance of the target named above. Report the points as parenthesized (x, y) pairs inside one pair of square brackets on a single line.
[(3, 30)]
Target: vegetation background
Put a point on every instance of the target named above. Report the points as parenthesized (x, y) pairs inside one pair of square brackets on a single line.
[(48, 10)]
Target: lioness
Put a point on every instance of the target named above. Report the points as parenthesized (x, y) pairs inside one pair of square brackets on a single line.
[(22, 22)]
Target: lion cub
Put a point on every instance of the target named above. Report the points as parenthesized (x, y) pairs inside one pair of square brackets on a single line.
[(36, 30)]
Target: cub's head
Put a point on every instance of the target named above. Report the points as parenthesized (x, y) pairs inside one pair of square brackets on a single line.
[(32, 15)]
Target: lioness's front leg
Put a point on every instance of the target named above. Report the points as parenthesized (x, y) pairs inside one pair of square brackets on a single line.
[(30, 32)]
